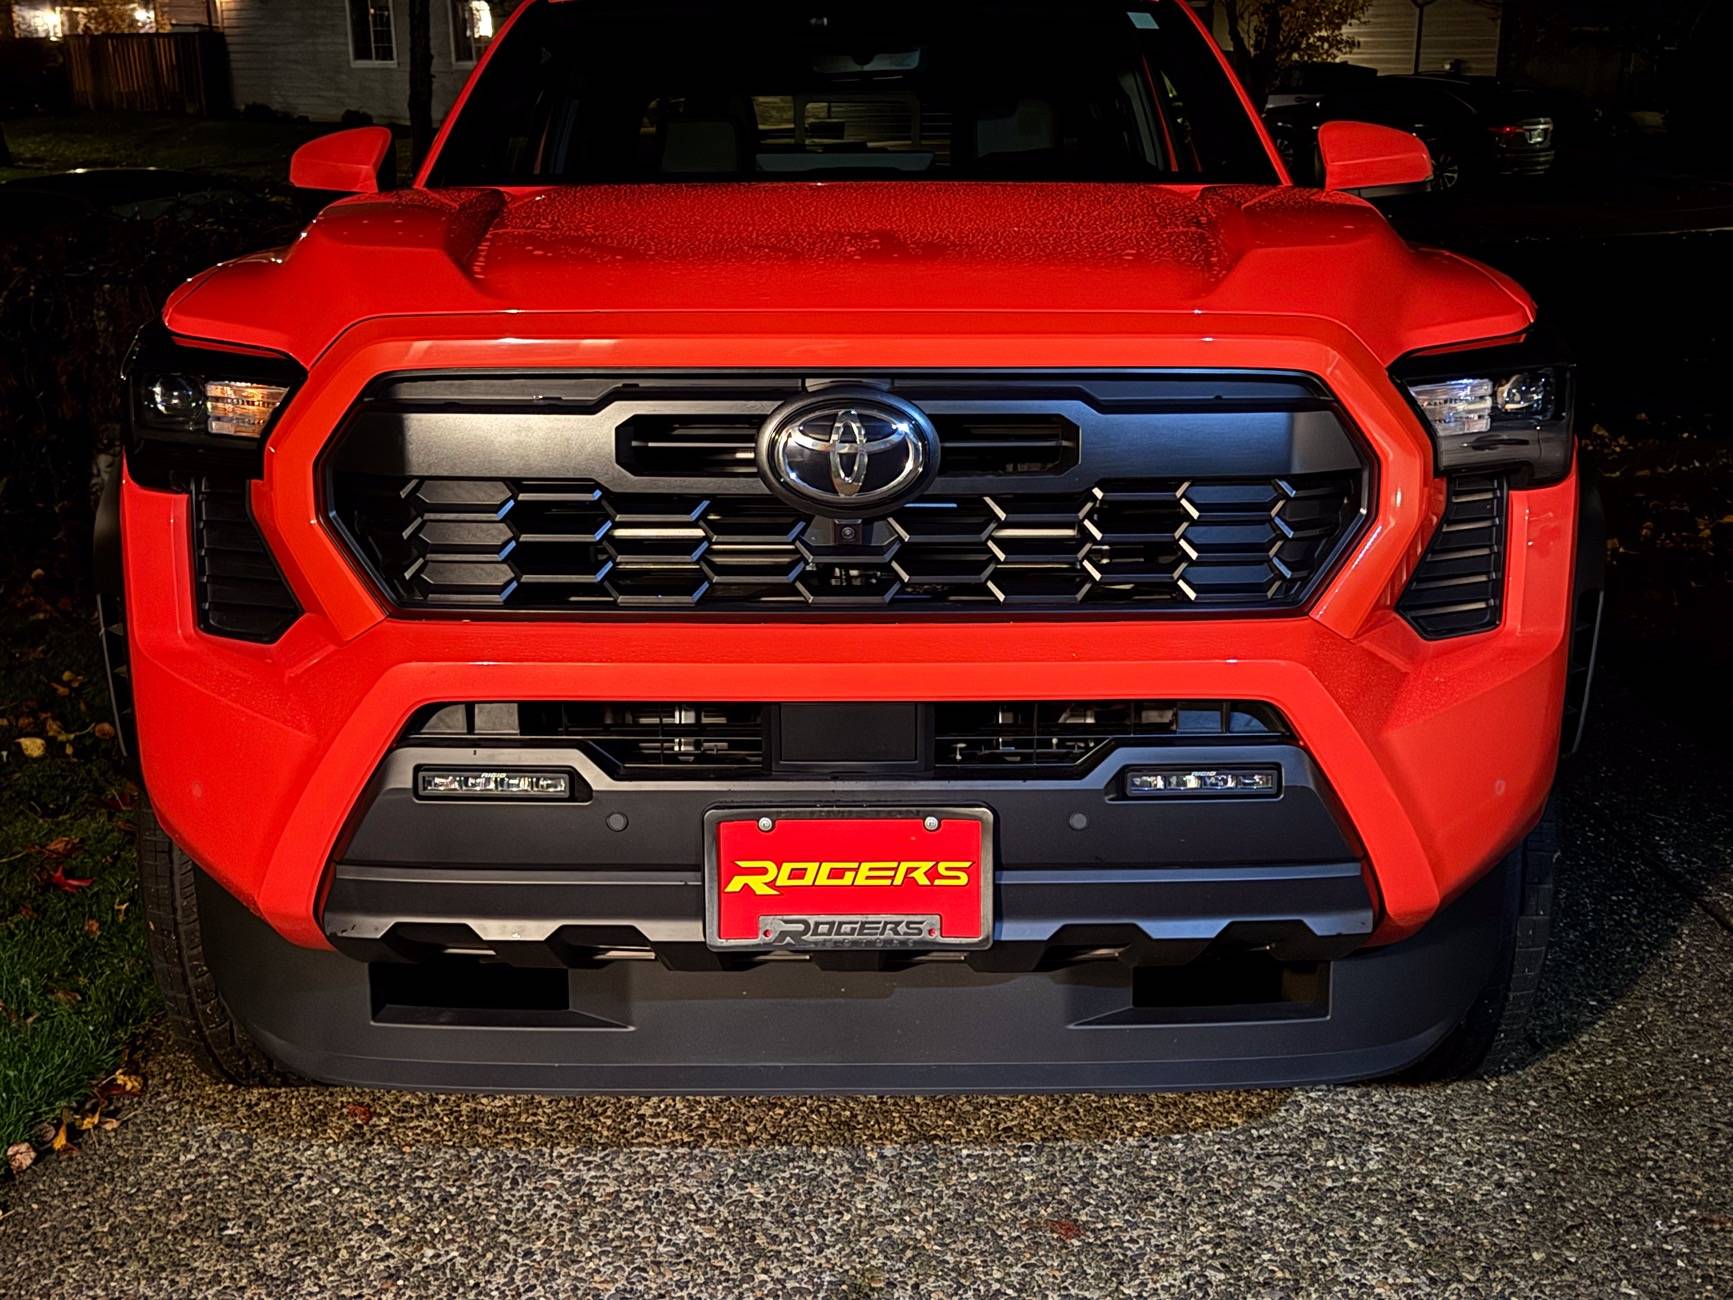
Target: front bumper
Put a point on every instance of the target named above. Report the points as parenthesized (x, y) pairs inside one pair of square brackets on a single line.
[(1439, 754), (640, 1027), (1078, 867)]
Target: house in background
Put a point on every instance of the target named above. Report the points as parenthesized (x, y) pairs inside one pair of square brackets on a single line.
[(1460, 34), (1464, 34), (323, 58)]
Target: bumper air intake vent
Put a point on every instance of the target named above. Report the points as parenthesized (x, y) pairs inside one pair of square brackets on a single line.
[(987, 740), (1459, 587), (240, 591)]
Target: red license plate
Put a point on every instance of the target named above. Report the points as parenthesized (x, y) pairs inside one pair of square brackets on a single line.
[(877, 879)]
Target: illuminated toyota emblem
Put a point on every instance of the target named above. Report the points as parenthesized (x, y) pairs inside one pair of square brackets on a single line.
[(848, 453)]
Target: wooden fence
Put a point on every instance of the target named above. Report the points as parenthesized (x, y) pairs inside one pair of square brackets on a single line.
[(150, 72)]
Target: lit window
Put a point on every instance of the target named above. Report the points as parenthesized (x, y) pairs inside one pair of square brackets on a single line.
[(372, 35), (471, 29), (39, 22)]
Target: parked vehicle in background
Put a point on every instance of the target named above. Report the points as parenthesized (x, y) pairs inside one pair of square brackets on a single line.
[(1477, 128), (1307, 83)]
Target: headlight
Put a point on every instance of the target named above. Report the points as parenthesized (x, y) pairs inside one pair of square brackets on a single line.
[(197, 406), (1506, 408)]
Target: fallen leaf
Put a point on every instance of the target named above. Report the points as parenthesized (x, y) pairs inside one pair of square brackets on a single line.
[(54, 729), (61, 846), (103, 731), (359, 1113), (60, 1141), (1064, 1229), (20, 1156), (33, 746), (92, 926), (110, 1124), (128, 1081), (68, 884)]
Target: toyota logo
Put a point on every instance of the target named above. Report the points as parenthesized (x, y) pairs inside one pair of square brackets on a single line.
[(848, 453)]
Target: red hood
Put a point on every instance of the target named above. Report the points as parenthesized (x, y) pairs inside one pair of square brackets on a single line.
[(852, 247)]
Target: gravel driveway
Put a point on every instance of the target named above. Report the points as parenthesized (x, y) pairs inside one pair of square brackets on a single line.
[(1605, 1168)]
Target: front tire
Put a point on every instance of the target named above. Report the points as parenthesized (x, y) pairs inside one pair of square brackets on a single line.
[(1493, 1038), (200, 1017)]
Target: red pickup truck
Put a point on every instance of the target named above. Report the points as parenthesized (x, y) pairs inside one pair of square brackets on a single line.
[(850, 547)]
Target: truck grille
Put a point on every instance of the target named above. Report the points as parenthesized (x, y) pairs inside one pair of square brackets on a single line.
[(515, 545), (584, 494)]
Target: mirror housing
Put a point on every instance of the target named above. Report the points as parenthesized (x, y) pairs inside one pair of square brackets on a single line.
[(358, 161), (1373, 161)]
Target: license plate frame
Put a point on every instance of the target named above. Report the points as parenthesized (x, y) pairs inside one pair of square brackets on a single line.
[(785, 941)]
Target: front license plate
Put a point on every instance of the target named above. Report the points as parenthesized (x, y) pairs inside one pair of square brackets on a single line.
[(800, 880)]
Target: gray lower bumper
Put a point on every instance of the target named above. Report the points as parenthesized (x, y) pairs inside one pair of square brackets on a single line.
[(639, 1027)]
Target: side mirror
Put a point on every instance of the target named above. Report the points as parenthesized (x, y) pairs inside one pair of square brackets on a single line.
[(360, 161), (1372, 161)]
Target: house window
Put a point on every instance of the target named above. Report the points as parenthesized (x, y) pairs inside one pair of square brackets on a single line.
[(471, 30), (372, 36)]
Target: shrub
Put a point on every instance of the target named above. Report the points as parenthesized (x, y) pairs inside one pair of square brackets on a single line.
[(72, 297)]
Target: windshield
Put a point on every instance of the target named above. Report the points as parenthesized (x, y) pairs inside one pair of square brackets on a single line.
[(601, 91)]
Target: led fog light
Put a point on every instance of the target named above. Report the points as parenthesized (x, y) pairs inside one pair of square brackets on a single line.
[(1181, 782), (475, 783)]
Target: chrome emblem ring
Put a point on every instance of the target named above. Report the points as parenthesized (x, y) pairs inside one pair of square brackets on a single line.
[(848, 453)]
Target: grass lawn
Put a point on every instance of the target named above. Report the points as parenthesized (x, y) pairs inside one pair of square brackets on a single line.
[(75, 982), (249, 150)]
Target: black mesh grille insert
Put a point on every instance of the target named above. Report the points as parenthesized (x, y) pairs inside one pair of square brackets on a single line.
[(1458, 588), (1042, 736), (1029, 738), (565, 545), (657, 739), (240, 591), (1113, 490)]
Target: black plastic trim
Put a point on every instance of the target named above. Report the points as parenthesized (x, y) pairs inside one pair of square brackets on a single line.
[(238, 586), (1158, 915), (1458, 587), (637, 825), (792, 1027)]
